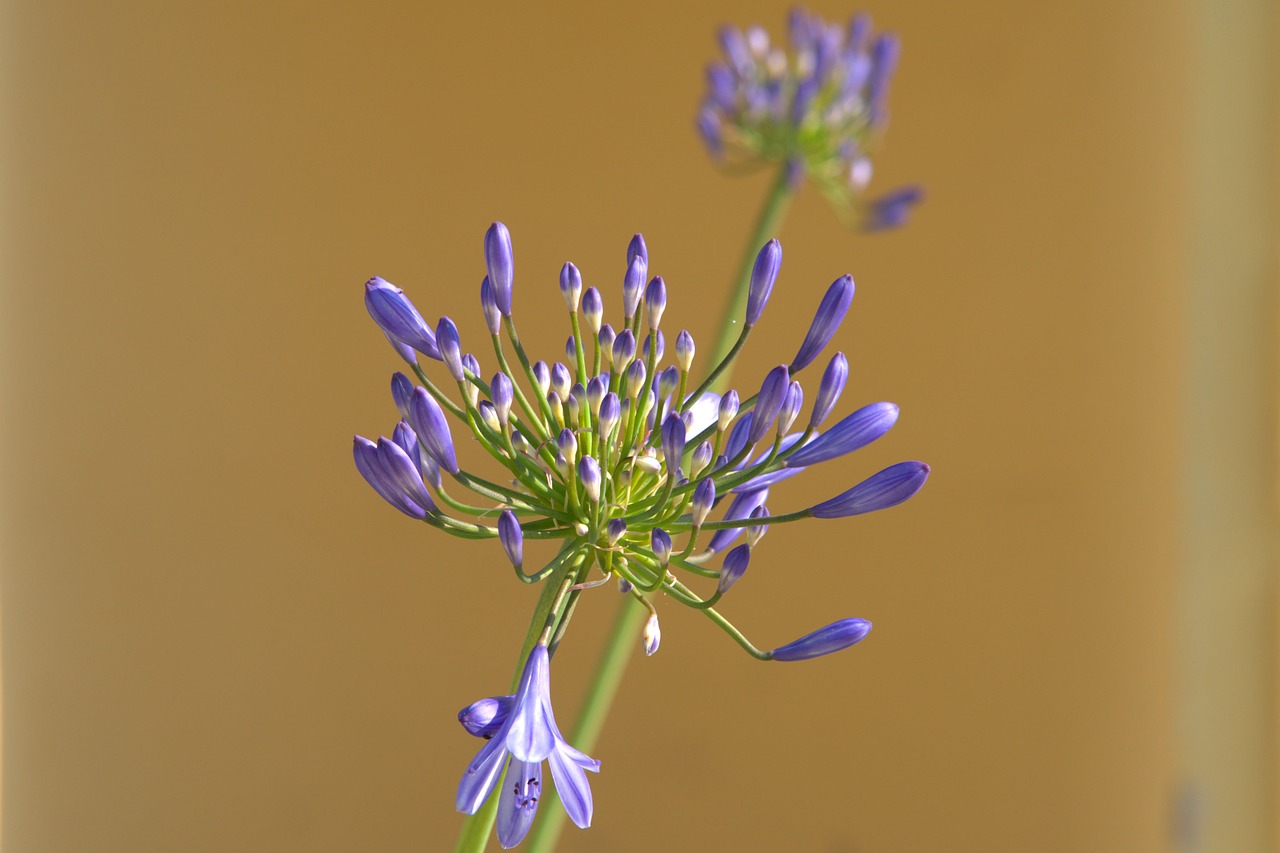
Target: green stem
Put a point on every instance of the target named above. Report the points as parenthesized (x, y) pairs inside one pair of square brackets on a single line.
[(625, 636)]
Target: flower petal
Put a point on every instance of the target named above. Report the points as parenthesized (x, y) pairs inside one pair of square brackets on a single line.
[(521, 791), (480, 777), (572, 786), (530, 736)]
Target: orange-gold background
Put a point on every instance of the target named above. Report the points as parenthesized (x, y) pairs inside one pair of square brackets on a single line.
[(216, 637)]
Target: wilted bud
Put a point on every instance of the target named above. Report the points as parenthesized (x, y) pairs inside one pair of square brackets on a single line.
[(763, 277), (655, 301), (684, 350), (570, 286), (500, 262), (589, 476), (735, 565), (824, 641), (592, 309), (704, 497), (652, 635), (512, 537)]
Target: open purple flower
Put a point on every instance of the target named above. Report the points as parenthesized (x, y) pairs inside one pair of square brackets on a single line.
[(526, 736)]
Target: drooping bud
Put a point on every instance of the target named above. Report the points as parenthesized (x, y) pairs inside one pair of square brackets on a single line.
[(652, 636), (500, 262), (673, 439), (401, 391), (824, 641), (829, 390), (882, 490), (684, 350), (728, 410), (701, 458), (396, 316), (512, 537), (592, 309), (655, 301), (757, 531), (450, 347), (567, 443), (633, 287), (763, 277), (570, 286), (704, 497), (831, 311), (561, 380), (773, 392), (735, 566), (851, 433), (662, 345), (489, 304), (660, 543), (614, 530), (589, 476), (489, 415), (485, 718), (428, 421), (624, 349), (502, 392), (542, 376), (790, 407)]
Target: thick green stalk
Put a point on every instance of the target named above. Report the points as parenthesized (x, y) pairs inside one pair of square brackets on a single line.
[(630, 619)]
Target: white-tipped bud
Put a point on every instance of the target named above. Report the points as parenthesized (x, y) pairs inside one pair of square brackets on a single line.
[(489, 415), (648, 463), (700, 458), (652, 635)]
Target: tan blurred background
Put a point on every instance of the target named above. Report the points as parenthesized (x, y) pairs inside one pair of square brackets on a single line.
[(217, 638)]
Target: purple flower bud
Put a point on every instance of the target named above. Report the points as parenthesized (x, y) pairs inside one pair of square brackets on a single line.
[(592, 308), (756, 532), (735, 48), (610, 412), (824, 641), (633, 379), (790, 407), (710, 128), (625, 586), (831, 311), (502, 392), (633, 287), (637, 249), (652, 635), (393, 475), (563, 465), (884, 61), (572, 409), (500, 263), (684, 350), (407, 439), (737, 441), (889, 487), (744, 503), (471, 365), (396, 316), (773, 392), (728, 410), (489, 304), (596, 389), (735, 566), (763, 276), (511, 537), (401, 390), (720, 84), (561, 380), (662, 345), (589, 475), (570, 285), (428, 421), (853, 432), (567, 442), (803, 97), (829, 390), (571, 348), (655, 301), (704, 497), (450, 347), (542, 376), (489, 415), (403, 350), (485, 718), (624, 349), (701, 458), (614, 530), (557, 408), (891, 209), (660, 543), (668, 382), (673, 438), (578, 394)]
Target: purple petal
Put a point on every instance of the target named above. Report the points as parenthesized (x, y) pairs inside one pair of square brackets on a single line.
[(572, 786), (742, 506), (480, 777), (530, 735), (853, 432), (826, 320), (428, 421), (521, 791), (500, 262), (889, 487), (485, 717)]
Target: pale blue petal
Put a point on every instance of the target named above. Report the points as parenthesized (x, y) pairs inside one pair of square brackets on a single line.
[(518, 803)]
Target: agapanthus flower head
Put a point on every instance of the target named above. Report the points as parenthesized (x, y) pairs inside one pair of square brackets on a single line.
[(817, 107), (639, 473)]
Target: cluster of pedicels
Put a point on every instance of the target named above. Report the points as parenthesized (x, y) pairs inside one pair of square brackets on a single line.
[(819, 108), (641, 477)]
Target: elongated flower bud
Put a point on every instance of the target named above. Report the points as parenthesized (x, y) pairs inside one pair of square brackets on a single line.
[(704, 497), (668, 382), (485, 718), (396, 316), (489, 415), (892, 209), (610, 412), (735, 566), (489, 304), (450, 346), (637, 249), (499, 260), (606, 337), (571, 348), (684, 350), (407, 439), (673, 438), (790, 407), (592, 309), (829, 390), (728, 410), (701, 458), (887, 488), (512, 537), (596, 389), (660, 543), (824, 641), (502, 392), (655, 301), (561, 380), (633, 287), (567, 443), (744, 503), (589, 476), (614, 530), (652, 635), (831, 311), (365, 453), (542, 377), (428, 421), (662, 345), (763, 276), (624, 349), (773, 391), (635, 377), (570, 286), (756, 532), (853, 432), (401, 391)]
